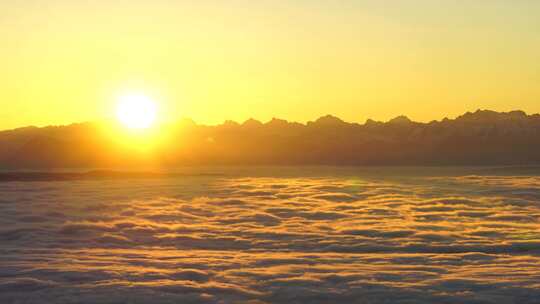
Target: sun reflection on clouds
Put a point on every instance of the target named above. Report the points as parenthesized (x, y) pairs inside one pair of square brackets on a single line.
[(271, 240)]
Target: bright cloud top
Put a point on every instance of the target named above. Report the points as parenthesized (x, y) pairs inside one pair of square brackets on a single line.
[(272, 240)]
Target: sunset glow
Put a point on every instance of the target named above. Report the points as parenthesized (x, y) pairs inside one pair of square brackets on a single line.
[(270, 152), (296, 60)]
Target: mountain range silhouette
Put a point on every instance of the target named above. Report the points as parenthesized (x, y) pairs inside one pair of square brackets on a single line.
[(483, 137)]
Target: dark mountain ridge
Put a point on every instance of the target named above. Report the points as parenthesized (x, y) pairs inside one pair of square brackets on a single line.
[(480, 138)]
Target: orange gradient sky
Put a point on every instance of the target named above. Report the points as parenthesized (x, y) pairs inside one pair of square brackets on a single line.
[(68, 61)]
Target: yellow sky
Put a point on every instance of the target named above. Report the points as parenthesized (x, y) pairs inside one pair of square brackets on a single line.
[(68, 61)]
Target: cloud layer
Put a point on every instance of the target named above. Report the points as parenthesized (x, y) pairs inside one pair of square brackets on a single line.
[(469, 239)]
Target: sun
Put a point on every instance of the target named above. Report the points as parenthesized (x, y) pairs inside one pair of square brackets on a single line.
[(136, 111)]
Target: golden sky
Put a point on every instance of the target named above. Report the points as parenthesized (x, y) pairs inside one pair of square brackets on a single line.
[(68, 61)]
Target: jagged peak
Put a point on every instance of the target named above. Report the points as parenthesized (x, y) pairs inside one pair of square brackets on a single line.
[(327, 120), (252, 122), (489, 115), (401, 119), (371, 122), (277, 122), (230, 123), (517, 114)]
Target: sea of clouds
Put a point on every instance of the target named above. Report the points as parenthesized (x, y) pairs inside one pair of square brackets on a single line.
[(288, 239)]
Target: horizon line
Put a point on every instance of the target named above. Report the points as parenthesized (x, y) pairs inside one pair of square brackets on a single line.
[(306, 123)]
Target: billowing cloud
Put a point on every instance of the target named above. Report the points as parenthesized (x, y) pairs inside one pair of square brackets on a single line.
[(471, 239)]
